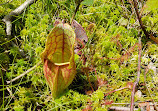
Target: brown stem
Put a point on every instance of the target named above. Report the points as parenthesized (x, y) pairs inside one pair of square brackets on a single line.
[(115, 91), (132, 97), (76, 11), (139, 19), (90, 82), (119, 108), (138, 76)]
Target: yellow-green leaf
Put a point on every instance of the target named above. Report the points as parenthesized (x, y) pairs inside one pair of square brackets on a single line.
[(58, 57)]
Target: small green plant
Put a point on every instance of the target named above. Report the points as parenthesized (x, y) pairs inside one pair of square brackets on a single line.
[(110, 56)]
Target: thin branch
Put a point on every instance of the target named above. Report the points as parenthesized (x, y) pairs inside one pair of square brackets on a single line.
[(138, 76), (154, 39), (139, 19), (136, 103), (76, 10), (119, 108), (90, 82), (10, 92), (8, 18), (115, 91), (32, 68)]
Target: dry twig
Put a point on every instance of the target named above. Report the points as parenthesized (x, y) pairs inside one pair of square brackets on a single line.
[(32, 68), (76, 11), (8, 18), (139, 19), (138, 76), (148, 35)]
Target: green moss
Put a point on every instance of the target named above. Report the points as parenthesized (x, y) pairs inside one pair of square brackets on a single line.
[(111, 51)]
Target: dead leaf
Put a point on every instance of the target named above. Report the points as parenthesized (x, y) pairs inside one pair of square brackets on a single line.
[(80, 32)]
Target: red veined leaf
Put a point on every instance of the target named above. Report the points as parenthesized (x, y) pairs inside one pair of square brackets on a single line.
[(58, 57)]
